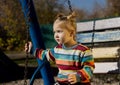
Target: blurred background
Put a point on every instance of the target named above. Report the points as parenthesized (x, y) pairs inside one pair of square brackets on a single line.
[(13, 29)]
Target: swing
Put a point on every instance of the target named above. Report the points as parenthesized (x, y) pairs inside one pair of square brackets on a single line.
[(32, 23)]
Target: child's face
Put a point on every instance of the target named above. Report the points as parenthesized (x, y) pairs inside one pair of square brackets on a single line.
[(61, 35)]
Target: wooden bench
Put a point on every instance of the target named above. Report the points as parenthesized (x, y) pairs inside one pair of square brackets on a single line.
[(104, 38)]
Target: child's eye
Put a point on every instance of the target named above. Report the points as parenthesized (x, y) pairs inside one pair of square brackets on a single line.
[(58, 31)]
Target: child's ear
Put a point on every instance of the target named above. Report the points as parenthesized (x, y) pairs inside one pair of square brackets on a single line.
[(71, 33)]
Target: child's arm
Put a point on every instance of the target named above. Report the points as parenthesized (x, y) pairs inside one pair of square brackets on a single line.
[(38, 53), (45, 54), (87, 63)]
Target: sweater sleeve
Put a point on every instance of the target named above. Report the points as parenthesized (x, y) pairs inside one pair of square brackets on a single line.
[(88, 66), (44, 54)]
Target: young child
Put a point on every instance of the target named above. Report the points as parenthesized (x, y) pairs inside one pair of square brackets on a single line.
[(74, 61)]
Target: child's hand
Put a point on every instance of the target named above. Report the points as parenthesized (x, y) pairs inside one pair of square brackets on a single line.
[(72, 78), (28, 47)]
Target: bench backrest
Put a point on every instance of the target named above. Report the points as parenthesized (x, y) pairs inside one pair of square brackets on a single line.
[(104, 30), (104, 35)]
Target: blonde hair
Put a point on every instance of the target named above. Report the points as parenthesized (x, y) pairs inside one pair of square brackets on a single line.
[(68, 22)]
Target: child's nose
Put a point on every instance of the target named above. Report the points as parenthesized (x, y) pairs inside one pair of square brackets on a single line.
[(56, 36)]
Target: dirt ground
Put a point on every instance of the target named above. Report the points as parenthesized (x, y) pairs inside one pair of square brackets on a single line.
[(103, 79), (40, 82)]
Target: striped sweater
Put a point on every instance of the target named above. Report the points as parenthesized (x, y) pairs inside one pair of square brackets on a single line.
[(75, 60)]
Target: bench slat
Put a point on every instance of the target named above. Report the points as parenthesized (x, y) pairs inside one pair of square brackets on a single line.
[(105, 52), (106, 67), (99, 24), (99, 36)]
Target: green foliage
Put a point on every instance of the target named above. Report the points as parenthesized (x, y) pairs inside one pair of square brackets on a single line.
[(12, 25)]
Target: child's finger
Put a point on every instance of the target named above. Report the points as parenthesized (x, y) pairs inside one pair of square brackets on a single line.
[(28, 47), (72, 78)]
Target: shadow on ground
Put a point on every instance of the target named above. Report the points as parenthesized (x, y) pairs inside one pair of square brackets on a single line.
[(13, 74), (10, 71)]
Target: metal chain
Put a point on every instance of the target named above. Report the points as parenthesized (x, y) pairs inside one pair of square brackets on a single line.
[(26, 71), (70, 7), (26, 60), (27, 54), (93, 34)]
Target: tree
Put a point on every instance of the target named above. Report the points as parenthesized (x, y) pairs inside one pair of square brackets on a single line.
[(11, 28), (113, 7), (47, 10)]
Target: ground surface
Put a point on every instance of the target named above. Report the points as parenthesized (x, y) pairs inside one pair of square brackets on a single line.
[(40, 82), (99, 79)]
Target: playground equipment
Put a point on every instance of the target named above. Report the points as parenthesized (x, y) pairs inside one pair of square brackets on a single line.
[(36, 37)]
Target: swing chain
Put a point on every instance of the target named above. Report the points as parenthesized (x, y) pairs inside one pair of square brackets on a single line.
[(27, 54), (26, 60), (93, 34), (25, 71), (70, 7)]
